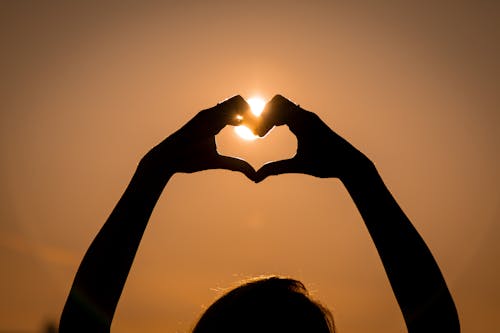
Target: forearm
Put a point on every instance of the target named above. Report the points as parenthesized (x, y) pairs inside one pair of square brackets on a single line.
[(416, 280), (104, 269)]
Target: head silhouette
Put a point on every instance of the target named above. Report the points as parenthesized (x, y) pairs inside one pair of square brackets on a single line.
[(266, 305)]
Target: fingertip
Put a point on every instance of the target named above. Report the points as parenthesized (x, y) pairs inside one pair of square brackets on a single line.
[(238, 165), (280, 99), (260, 180), (234, 102), (277, 97), (262, 131), (236, 98)]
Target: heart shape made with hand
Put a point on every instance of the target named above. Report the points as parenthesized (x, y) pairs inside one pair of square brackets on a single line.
[(314, 140)]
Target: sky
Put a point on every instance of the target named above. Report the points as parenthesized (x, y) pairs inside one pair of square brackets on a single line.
[(86, 89)]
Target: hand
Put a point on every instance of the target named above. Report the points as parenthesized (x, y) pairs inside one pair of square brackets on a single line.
[(192, 148), (320, 152)]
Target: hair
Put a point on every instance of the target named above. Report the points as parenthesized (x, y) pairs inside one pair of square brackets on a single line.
[(266, 305)]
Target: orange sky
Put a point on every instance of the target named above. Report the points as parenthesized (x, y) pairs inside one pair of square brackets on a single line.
[(86, 90)]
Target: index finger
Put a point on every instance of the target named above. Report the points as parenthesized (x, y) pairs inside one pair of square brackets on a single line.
[(232, 111), (228, 112), (281, 111)]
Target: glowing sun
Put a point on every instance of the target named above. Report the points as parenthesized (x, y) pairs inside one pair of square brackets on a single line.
[(257, 106)]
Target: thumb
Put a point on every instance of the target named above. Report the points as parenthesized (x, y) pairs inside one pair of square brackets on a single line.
[(291, 165), (235, 164)]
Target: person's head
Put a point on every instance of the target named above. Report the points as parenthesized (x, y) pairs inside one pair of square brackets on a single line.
[(266, 305)]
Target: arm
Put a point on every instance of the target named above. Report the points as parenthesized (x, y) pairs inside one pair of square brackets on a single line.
[(416, 280), (104, 269)]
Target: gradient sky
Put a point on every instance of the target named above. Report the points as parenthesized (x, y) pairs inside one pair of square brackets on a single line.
[(86, 89)]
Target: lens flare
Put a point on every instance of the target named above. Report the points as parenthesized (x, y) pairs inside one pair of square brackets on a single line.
[(245, 133), (257, 105)]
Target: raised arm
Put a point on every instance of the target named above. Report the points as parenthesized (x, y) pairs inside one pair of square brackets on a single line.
[(104, 269), (416, 280)]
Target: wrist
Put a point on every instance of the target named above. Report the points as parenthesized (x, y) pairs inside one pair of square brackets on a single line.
[(360, 170), (155, 167)]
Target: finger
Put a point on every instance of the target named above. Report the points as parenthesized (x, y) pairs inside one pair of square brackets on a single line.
[(211, 121), (277, 168), (232, 111), (235, 164), (274, 114), (281, 111)]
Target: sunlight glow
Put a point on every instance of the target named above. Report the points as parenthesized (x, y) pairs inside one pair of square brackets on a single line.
[(257, 105), (245, 133)]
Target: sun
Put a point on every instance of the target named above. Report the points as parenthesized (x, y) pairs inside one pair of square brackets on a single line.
[(257, 105), (245, 133)]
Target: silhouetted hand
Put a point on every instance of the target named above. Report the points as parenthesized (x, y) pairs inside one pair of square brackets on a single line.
[(320, 152), (192, 148)]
